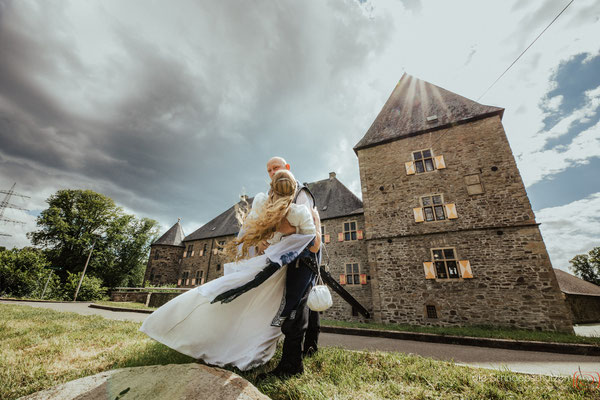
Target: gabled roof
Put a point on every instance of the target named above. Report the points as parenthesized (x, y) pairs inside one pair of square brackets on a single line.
[(173, 237), (411, 109), (333, 200), (223, 225), (571, 284)]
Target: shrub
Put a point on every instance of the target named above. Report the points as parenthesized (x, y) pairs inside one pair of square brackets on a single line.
[(91, 288), (23, 272)]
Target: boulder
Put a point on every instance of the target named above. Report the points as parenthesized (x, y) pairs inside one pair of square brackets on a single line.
[(173, 381)]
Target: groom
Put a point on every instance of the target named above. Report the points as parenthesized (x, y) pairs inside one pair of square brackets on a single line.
[(300, 322)]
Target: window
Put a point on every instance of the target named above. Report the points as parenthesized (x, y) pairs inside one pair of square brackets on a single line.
[(433, 208), (204, 250), (350, 230), (431, 311), (218, 267), (185, 275), (156, 254), (352, 274), (446, 265), (423, 161), (322, 233), (189, 250), (220, 245), (199, 277)]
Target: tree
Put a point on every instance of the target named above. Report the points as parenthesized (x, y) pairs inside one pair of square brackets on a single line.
[(587, 266), (23, 272), (75, 219)]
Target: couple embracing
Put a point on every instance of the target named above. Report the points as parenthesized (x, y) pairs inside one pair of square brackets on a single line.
[(238, 318)]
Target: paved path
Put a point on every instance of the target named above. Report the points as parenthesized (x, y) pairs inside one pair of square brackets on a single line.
[(485, 357)]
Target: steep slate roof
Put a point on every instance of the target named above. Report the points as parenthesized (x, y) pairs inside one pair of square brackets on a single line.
[(571, 284), (173, 237), (333, 200), (413, 100), (222, 225)]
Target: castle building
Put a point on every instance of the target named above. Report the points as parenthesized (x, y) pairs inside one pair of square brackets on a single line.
[(445, 234)]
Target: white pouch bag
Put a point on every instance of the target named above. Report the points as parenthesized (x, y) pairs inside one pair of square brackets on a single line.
[(319, 298)]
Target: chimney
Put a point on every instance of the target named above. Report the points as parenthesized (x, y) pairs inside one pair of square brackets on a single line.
[(331, 175)]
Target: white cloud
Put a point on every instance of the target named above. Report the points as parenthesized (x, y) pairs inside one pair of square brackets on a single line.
[(539, 164), (164, 102), (570, 229)]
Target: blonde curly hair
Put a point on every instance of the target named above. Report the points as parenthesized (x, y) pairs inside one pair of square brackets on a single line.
[(262, 226)]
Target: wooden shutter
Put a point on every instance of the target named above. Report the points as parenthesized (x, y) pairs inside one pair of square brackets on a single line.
[(185, 254), (428, 267), (418, 214), (439, 162), (465, 269), (193, 281), (359, 235), (201, 253), (341, 237), (410, 168), (192, 253), (342, 279), (451, 210), (215, 251), (179, 282), (363, 279), (187, 282), (327, 238)]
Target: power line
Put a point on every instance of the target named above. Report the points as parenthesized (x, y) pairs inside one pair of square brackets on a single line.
[(538, 36)]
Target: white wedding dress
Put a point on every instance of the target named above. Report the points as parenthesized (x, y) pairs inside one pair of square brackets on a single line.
[(237, 332)]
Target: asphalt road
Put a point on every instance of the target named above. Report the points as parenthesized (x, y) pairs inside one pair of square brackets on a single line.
[(515, 360)]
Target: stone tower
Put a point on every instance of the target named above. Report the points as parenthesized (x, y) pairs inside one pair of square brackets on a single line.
[(451, 236), (165, 253)]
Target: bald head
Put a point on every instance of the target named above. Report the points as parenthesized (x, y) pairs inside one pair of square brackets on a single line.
[(275, 164)]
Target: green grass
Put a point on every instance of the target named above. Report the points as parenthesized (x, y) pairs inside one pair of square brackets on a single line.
[(124, 304), (41, 348), (474, 331)]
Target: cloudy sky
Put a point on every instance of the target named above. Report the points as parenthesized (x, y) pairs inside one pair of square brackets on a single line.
[(172, 108)]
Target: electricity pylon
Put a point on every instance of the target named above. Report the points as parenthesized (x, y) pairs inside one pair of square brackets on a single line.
[(5, 204)]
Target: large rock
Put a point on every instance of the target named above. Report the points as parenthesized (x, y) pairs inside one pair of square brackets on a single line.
[(174, 381)]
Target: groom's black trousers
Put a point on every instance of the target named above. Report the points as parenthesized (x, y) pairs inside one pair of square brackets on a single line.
[(304, 326)]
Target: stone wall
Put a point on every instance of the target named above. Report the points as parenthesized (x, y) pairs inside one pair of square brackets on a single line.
[(163, 270), (513, 284), (158, 299), (585, 309), (341, 253), (204, 264), (136, 297), (478, 148)]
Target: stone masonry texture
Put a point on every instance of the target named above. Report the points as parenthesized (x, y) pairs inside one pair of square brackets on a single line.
[(513, 282)]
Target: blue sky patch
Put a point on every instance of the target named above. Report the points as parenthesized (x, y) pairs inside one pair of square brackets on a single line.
[(567, 186), (572, 77)]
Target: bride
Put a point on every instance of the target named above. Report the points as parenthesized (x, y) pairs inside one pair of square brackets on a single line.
[(232, 320)]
